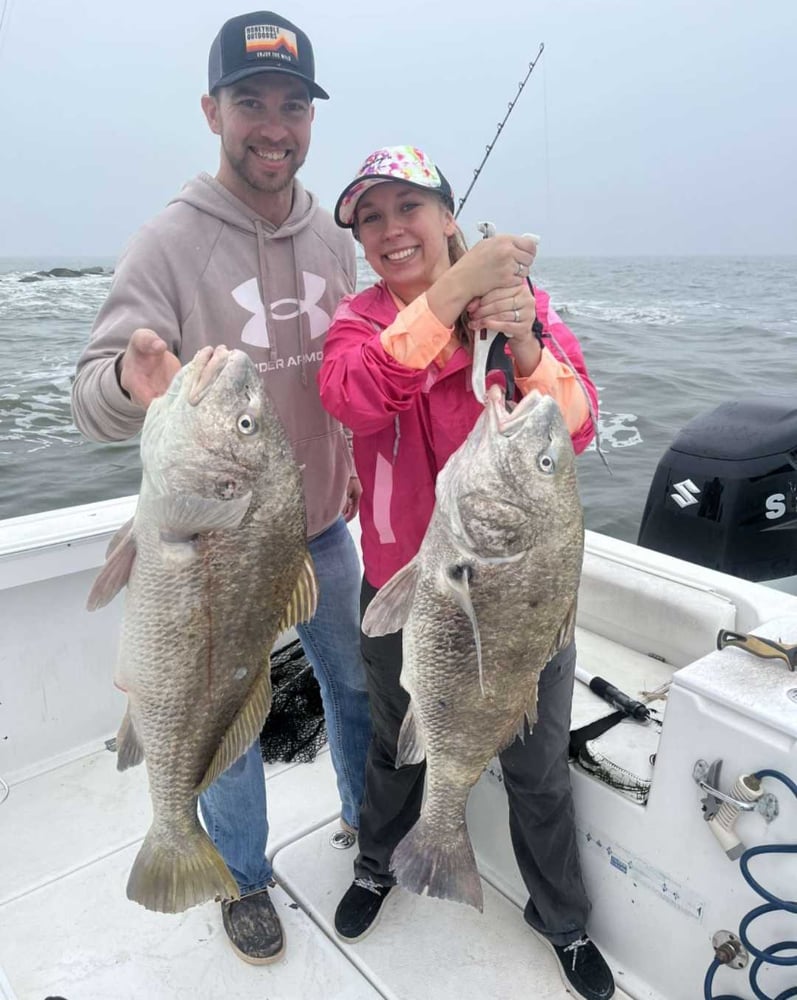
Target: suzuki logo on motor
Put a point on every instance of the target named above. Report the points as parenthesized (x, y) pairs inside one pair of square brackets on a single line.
[(775, 506), (685, 493)]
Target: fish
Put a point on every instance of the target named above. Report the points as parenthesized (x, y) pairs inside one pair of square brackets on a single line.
[(216, 565), (489, 598)]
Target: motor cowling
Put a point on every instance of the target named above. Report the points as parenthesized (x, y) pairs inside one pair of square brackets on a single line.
[(725, 493)]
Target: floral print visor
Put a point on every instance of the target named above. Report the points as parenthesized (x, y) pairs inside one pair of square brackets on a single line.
[(392, 163)]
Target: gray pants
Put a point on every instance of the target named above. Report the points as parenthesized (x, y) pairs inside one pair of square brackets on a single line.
[(536, 777)]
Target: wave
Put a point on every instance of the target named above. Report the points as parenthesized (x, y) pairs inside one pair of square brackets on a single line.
[(650, 313), (52, 298)]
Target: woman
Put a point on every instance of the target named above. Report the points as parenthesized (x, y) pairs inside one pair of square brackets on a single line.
[(397, 371)]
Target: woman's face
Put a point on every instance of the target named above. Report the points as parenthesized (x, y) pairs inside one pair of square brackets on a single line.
[(404, 232)]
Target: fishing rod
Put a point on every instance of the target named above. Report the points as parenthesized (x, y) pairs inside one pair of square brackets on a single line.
[(489, 147), (485, 346)]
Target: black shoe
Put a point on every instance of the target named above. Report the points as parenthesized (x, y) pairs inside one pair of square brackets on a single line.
[(253, 927), (583, 969), (357, 912)]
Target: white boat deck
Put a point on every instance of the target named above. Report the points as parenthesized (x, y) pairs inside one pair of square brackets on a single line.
[(68, 838), (660, 883)]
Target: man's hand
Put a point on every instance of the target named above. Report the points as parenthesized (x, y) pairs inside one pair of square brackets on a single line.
[(147, 367), (353, 492)]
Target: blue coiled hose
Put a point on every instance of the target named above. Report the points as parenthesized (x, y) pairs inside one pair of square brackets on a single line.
[(770, 955)]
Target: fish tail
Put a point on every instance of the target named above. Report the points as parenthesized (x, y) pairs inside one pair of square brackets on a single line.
[(423, 862), (170, 877)]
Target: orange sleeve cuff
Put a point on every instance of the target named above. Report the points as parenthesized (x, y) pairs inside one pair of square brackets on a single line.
[(552, 378), (416, 336)]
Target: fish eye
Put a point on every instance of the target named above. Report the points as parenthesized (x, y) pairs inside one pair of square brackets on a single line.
[(546, 463), (247, 424)]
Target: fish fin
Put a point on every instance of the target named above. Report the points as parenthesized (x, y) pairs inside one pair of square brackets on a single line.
[(520, 732), (411, 748), (172, 877), (129, 750), (116, 572), (445, 868), (566, 633), (302, 605), (184, 515), (531, 710), (390, 608), (243, 731), (456, 582), (120, 536)]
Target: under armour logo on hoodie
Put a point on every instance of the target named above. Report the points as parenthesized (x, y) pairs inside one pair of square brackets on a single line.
[(255, 332)]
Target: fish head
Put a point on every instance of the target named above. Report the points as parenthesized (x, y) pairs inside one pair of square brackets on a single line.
[(212, 432), (514, 473)]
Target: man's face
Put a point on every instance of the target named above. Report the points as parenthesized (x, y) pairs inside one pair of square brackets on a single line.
[(264, 123)]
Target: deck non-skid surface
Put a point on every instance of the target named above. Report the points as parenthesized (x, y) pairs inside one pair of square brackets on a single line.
[(68, 839), (81, 939)]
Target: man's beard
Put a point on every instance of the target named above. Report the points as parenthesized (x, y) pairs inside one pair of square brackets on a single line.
[(263, 184)]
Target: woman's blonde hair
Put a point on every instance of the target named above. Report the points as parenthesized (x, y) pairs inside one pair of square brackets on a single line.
[(457, 248)]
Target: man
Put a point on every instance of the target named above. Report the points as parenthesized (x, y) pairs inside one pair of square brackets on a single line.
[(249, 260)]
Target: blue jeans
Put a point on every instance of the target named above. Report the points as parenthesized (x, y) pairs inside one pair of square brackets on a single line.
[(234, 807)]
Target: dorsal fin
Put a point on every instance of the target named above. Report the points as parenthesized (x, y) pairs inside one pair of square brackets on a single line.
[(244, 729), (304, 599), (567, 630)]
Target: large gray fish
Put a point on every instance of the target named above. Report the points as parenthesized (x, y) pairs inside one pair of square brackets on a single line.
[(216, 565), (489, 598)]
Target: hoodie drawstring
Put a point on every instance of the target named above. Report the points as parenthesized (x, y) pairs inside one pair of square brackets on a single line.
[(300, 331), (264, 296)]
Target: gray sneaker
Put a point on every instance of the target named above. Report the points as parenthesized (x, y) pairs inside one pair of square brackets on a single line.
[(253, 927)]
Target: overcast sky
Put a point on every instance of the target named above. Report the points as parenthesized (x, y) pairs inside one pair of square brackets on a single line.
[(665, 127)]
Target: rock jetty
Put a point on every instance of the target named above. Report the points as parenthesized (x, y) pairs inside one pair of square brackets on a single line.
[(65, 272)]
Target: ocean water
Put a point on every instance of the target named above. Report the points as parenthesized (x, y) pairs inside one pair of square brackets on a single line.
[(665, 339)]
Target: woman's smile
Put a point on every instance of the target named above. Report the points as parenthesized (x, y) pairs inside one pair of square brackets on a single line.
[(396, 256)]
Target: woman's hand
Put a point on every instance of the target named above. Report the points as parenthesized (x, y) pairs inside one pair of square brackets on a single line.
[(498, 262), (510, 311)]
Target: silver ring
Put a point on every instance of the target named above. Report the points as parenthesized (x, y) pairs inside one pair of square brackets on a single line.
[(519, 269), (517, 316)]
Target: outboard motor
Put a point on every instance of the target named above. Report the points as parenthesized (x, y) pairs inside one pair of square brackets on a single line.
[(725, 493)]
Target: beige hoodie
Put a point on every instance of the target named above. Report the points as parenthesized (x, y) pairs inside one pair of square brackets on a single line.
[(207, 270)]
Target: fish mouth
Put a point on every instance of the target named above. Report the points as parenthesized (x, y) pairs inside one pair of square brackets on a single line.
[(207, 366), (510, 422)]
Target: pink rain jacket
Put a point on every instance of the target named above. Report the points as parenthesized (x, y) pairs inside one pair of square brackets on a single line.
[(406, 422)]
